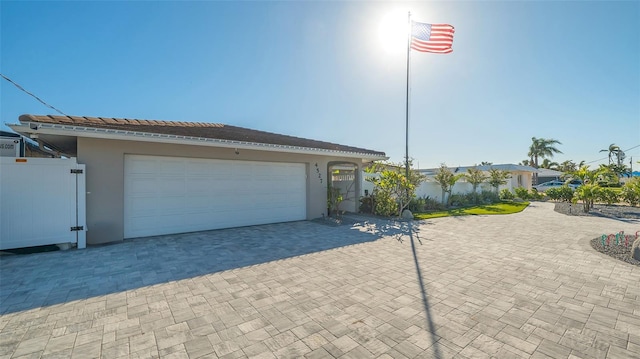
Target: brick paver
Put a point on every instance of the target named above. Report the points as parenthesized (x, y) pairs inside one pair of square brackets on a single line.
[(520, 286)]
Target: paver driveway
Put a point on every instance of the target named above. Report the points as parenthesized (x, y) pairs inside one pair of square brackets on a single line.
[(520, 286)]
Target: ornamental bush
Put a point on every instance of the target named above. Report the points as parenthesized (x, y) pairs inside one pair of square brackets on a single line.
[(587, 193), (366, 204), (563, 194), (459, 200), (631, 192), (522, 193), (489, 197), (506, 195), (607, 195), (425, 203), (473, 197), (385, 204), (535, 195)]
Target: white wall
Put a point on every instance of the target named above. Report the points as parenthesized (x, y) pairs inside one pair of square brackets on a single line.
[(430, 188), (40, 200)]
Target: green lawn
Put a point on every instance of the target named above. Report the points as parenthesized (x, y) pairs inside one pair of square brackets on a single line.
[(498, 208)]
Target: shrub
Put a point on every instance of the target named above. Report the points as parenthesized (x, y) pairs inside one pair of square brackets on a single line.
[(631, 192), (535, 195), (334, 198), (459, 200), (366, 204), (522, 193), (423, 204), (586, 193), (384, 204), (417, 204), (607, 195), (506, 195), (563, 194), (607, 184), (489, 197), (473, 197), (434, 205)]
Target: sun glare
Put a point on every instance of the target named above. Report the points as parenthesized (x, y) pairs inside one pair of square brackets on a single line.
[(392, 31)]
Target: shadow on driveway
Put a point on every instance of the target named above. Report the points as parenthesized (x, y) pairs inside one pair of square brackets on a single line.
[(403, 230), (43, 279), (425, 298)]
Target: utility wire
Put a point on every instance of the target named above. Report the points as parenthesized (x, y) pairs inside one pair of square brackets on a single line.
[(604, 158), (32, 95)]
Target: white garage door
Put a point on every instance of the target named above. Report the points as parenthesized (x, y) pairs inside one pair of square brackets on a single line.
[(165, 195)]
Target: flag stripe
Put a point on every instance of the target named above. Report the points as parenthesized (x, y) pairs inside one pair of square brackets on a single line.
[(436, 38)]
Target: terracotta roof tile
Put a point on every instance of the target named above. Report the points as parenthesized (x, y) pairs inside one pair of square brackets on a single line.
[(194, 129)]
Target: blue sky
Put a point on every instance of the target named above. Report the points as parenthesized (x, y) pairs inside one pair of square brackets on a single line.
[(566, 70)]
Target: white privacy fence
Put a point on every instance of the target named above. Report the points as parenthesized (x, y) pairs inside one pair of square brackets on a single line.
[(42, 201)]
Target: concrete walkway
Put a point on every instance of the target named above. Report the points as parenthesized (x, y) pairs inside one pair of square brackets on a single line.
[(519, 286)]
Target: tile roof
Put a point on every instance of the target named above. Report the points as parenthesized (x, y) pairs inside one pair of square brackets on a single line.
[(193, 129)]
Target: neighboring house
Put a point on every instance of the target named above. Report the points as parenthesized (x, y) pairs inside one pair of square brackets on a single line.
[(24, 148), (521, 176), (147, 178), (546, 175)]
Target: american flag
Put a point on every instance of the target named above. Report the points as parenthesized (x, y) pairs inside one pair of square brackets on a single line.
[(437, 38)]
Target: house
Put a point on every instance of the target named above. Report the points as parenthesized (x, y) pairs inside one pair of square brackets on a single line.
[(147, 178), (12, 145), (521, 176), (545, 175)]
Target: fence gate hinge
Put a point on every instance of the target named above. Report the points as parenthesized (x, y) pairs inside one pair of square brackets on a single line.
[(77, 228), (76, 171)]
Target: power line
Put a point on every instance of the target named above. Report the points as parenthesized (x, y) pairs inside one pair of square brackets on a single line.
[(604, 158), (629, 149), (32, 95)]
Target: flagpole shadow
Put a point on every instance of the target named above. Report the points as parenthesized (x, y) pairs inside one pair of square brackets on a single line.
[(423, 292)]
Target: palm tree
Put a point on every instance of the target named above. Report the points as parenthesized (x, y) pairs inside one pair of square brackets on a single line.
[(475, 177), (541, 148), (447, 179), (498, 177), (568, 166), (546, 163), (613, 150)]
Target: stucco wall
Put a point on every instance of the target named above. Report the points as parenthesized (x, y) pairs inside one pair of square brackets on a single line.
[(104, 160)]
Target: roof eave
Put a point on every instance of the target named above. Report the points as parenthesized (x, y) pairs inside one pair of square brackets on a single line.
[(27, 128)]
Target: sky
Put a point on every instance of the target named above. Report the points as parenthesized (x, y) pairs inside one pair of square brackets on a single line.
[(564, 70)]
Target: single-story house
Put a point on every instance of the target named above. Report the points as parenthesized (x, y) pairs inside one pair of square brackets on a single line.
[(546, 175), (146, 178), (521, 176)]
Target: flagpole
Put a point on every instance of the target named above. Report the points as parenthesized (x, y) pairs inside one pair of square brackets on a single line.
[(406, 156)]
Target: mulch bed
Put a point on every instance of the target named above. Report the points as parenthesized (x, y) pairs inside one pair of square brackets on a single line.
[(614, 211), (618, 251)]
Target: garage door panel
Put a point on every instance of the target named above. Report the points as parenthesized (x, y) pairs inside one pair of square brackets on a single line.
[(197, 168), (202, 183), (165, 195), (142, 184), (142, 166)]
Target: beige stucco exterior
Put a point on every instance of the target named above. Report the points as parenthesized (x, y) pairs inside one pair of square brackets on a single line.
[(104, 160)]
